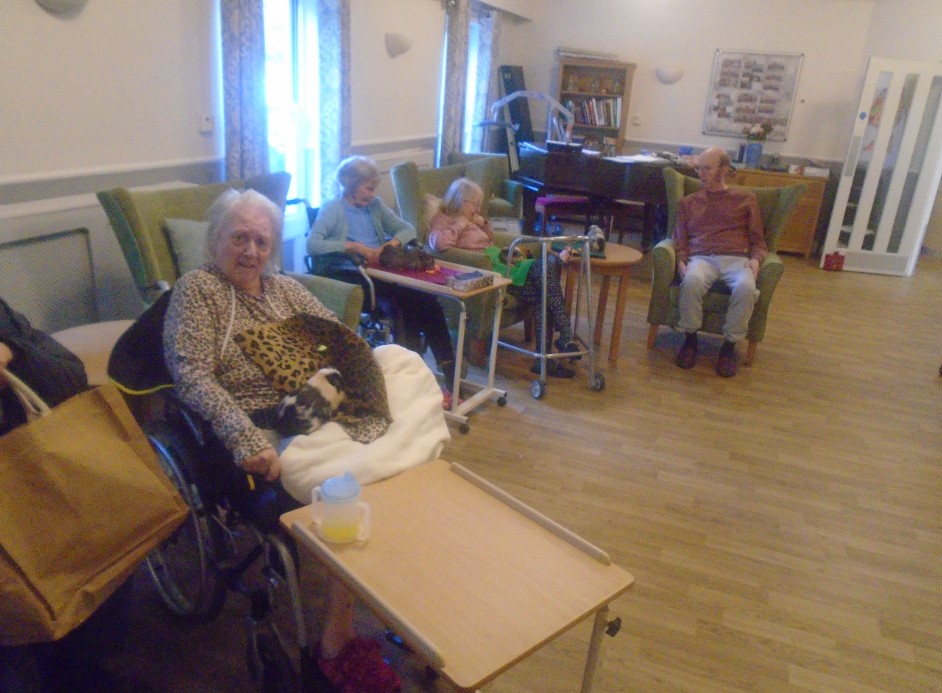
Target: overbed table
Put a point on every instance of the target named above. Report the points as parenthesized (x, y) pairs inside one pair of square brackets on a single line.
[(471, 578), (428, 283)]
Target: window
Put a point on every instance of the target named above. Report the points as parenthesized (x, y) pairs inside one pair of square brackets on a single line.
[(473, 107), (292, 94)]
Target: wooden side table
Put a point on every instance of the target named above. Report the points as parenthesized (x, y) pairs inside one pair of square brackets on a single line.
[(616, 263)]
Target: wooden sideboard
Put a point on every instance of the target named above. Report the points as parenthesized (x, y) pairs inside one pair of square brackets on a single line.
[(798, 234)]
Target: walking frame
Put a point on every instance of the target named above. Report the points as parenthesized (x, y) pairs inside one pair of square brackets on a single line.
[(582, 246)]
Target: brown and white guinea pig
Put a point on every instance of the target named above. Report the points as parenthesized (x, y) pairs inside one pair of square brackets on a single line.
[(312, 406)]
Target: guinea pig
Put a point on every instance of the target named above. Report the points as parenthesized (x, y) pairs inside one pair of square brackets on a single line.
[(312, 406)]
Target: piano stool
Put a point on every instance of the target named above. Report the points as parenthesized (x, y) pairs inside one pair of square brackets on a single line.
[(567, 206), (623, 216)]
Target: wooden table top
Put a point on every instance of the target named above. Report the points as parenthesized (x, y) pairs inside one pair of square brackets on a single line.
[(481, 584), (617, 255)]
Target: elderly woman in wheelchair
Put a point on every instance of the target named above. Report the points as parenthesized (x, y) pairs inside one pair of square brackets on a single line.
[(239, 338)]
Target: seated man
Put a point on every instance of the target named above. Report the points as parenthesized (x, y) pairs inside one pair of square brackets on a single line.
[(718, 234)]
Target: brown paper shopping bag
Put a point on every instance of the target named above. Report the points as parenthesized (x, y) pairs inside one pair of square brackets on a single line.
[(82, 501)]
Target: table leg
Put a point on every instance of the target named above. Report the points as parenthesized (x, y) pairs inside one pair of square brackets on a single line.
[(603, 304), (619, 317), (595, 649)]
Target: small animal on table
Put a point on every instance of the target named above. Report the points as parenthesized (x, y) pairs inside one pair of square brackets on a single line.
[(410, 257)]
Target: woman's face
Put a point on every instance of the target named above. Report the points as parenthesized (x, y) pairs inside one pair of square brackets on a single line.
[(244, 248), (364, 193), (471, 206)]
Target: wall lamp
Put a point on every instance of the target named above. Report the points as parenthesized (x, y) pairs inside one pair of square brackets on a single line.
[(669, 74), (397, 44)]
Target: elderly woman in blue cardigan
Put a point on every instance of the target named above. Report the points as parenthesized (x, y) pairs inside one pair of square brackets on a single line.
[(359, 222)]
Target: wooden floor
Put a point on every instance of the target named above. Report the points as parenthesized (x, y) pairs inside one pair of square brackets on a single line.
[(784, 526)]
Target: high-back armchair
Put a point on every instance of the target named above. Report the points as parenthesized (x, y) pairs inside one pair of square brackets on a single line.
[(162, 234), (503, 198), (775, 204)]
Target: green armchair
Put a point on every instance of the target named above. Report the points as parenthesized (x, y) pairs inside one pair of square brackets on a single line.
[(503, 199), (776, 204), (503, 196), (154, 251)]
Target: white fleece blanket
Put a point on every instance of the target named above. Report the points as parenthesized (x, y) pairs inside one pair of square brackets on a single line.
[(417, 434)]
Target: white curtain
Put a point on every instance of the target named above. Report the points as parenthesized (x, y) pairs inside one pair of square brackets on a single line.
[(333, 27), (451, 117), (487, 91), (243, 72)]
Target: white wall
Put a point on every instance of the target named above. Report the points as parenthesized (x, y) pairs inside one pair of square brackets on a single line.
[(832, 35), (120, 85), (395, 99), (906, 30)]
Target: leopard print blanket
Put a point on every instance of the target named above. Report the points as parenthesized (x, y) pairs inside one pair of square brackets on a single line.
[(291, 351)]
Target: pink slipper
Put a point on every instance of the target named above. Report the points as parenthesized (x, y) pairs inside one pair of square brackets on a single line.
[(360, 668), (447, 400)]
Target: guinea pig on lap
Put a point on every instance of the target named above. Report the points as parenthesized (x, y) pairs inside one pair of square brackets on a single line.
[(312, 406)]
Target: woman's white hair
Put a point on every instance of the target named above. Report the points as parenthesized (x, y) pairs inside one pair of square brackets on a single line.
[(354, 171), (230, 203), (461, 189)]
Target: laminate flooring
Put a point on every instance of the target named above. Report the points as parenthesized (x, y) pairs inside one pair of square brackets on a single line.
[(784, 526)]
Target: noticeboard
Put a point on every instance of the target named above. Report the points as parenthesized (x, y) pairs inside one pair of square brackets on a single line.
[(749, 89)]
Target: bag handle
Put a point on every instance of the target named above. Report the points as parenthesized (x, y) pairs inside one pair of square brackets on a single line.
[(32, 403)]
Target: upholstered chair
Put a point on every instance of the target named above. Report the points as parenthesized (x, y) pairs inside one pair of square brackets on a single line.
[(776, 204), (418, 190), (162, 234)]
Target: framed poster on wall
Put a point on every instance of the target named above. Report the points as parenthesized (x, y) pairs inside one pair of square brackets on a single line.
[(749, 89)]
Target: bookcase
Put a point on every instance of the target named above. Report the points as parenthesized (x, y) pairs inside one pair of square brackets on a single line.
[(597, 92)]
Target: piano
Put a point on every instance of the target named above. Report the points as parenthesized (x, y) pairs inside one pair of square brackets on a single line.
[(600, 179)]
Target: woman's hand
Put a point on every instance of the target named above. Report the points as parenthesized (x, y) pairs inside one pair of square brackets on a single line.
[(265, 463), (478, 220)]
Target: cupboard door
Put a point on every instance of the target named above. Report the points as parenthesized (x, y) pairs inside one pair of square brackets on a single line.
[(798, 234)]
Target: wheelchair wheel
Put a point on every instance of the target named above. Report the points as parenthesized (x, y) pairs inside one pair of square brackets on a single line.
[(183, 568), (270, 666), (276, 627)]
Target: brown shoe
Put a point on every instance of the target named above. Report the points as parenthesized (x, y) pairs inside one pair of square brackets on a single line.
[(727, 363), (687, 355)]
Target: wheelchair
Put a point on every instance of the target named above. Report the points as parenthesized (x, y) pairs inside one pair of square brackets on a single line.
[(381, 321), (230, 541)]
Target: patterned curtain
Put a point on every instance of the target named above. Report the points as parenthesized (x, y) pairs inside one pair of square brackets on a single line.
[(243, 74), (451, 118), (489, 22), (333, 28)]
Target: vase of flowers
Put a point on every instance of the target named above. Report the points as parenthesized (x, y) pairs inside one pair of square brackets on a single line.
[(755, 136)]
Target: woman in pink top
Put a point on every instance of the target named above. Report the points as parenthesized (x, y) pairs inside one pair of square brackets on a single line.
[(460, 224)]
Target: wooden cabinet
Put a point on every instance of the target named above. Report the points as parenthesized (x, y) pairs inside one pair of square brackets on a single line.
[(597, 93), (798, 234)]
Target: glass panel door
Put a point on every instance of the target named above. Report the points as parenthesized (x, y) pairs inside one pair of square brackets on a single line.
[(894, 160)]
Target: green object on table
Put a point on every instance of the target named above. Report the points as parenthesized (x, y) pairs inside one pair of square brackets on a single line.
[(518, 270)]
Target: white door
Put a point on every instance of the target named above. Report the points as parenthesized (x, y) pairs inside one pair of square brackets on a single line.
[(891, 174)]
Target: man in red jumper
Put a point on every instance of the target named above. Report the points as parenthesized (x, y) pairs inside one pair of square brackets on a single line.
[(718, 235)]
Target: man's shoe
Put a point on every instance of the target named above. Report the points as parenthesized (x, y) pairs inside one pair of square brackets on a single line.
[(687, 355), (727, 363)]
